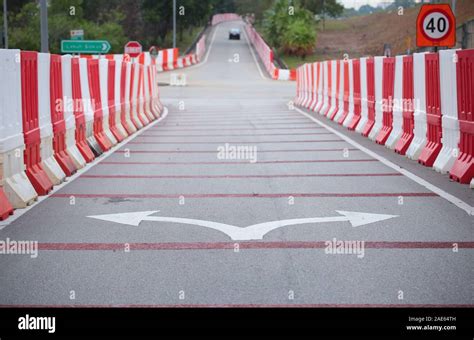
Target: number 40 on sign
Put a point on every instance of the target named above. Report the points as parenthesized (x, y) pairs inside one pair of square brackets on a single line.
[(436, 26)]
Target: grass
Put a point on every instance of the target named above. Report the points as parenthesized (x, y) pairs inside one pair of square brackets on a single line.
[(294, 61), (188, 38)]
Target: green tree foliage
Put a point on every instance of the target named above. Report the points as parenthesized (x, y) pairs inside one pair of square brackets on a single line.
[(326, 7), (290, 28)]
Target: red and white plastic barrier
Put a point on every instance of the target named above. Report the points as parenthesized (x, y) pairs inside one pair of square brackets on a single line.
[(420, 106), (266, 56), (55, 109), (218, 18)]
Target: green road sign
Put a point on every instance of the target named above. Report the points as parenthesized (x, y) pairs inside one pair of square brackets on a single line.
[(85, 46)]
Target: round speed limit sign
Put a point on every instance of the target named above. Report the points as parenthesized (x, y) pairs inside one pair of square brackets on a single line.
[(436, 26)]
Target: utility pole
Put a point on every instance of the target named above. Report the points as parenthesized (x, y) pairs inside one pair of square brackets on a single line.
[(453, 7), (44, 26), (174, 23), (5, 24)]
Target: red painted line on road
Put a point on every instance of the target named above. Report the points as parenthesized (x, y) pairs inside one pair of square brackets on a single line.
[(243, 245), (236, 176), (263, 123), (215, 151), (243, 142), (296, 305), (242, 162), (243, 195), (240, 135), (162, 128)]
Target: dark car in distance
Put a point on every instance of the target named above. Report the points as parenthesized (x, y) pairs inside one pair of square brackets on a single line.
[(234, 34)]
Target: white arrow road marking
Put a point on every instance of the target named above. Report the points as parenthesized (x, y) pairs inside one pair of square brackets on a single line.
[(252, 232)]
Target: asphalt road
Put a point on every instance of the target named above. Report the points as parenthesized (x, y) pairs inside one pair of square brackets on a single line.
[(301, 169)]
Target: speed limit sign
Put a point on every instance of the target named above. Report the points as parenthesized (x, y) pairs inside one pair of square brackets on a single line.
[(436, 26)]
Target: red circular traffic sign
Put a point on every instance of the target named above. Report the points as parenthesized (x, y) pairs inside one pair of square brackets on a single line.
[(133, 48), (436, 26)]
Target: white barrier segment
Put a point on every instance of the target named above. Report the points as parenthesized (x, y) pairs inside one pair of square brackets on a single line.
[(419, 90), (314, 93), (128, 104), (304, 78), (156, 91), (118, 103), (378, 70), (180, 63), (284, 74), (320, 91), (340, 97), (350, 115), (332, 104), (159, 61), (104, 98), (363, 96), (69, 117), (397, 123), (146, 91), (326, 103), (139, 93), (307, 85), (49, 163), (449, 109), (88, 107), (134, 114), (170, 52), (13, 179)]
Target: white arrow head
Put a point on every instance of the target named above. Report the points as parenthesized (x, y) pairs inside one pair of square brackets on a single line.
[(358, 219), (133, 218)]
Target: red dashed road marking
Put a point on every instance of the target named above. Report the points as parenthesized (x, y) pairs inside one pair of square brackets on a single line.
[(241, 162), (254, 195), (237, 176), (244, 245)]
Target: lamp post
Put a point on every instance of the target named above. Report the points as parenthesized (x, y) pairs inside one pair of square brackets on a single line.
[(44, 26)]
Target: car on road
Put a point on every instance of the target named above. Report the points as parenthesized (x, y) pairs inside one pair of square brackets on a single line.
[(234, 34)]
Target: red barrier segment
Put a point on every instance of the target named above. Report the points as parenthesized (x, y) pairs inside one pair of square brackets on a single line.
[(332, 114), (111, 101), (433, 111), (357, 100), (463, 169), (133, 116), (387, 97), (6, 208), (346, 93), (80, 133), (29, 100), (408, 107), (94, 85), (329, 63), (57, 117), (370, 97), (123, 90)]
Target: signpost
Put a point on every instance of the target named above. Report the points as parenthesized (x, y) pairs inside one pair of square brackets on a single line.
[(85, 46), (133, 48), (436, 26), (77, 35)]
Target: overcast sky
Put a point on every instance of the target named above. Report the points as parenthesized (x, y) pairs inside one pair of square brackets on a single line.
[(357, 3)]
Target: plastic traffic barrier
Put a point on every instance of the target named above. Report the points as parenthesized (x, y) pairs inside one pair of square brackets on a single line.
[(419, 131), (89, 107), (352, 121), (325, 89), (363, 96), (449, 109), (57, 117), (318, 87), (336, 82), (133, 96), (463, 168), (307, 85), (344, 93), (79, 105), (433, 111), (125, 90), (378, 123), (148, 88), (104, 99), (13, 180), (6, 209), (408, 106), (31, 132), (94, 86), (113, 89), (69, 117), (370, 63), (344, 121), (49, 162), (144, 111), (387, 100), (397, 107)]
